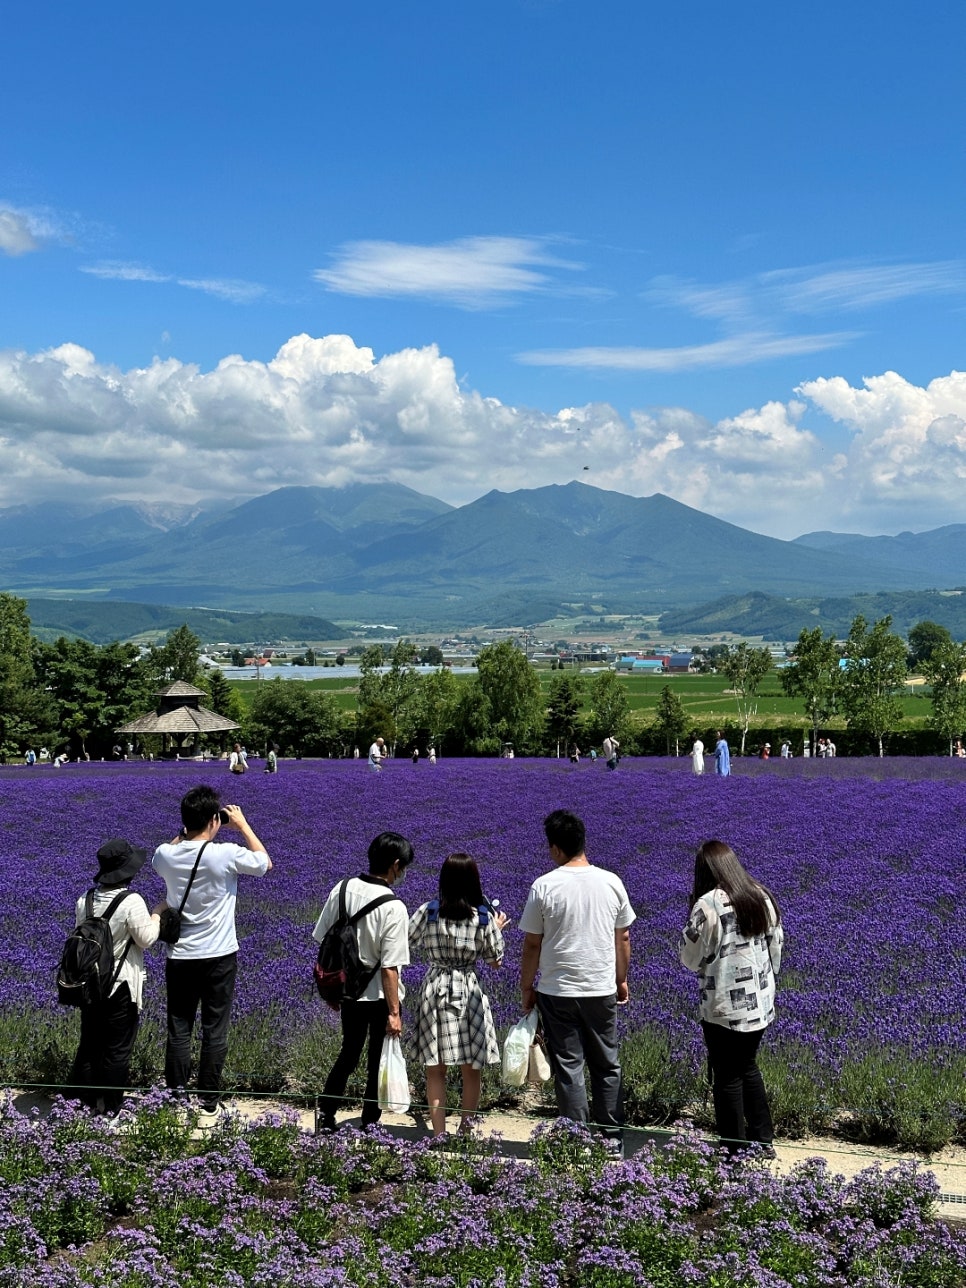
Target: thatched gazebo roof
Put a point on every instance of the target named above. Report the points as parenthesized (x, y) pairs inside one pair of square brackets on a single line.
[(179, 712)]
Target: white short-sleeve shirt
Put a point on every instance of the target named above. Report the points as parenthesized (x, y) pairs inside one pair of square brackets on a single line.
[(383, 933), (208, 919), (577, 911)]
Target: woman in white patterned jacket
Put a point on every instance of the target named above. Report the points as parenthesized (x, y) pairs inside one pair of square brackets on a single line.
[(733, 940)]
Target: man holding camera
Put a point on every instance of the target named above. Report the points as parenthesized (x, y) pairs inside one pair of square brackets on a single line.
[(201, 877)]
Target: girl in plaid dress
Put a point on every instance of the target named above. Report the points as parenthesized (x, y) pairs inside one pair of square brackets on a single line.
[(453, 1020)]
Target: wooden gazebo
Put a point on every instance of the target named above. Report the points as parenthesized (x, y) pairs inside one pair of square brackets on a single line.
[(179, 715)]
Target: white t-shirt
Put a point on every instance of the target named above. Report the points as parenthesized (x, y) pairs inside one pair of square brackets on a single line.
[(375, 754), (577, 910), (383, 934), (208, 918)]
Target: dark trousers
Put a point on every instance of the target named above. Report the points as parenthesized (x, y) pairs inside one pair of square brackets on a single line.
[(210, 984), (579, 1031), (361, 1022), (104, 1054), (741, 1110)]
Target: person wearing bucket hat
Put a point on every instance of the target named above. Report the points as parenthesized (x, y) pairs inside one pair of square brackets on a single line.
[(100, 1070)]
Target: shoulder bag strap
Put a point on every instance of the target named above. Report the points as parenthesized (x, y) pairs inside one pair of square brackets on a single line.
[(194, 873)]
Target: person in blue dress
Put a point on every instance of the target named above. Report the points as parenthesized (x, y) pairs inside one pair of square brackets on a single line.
[(722, 756)]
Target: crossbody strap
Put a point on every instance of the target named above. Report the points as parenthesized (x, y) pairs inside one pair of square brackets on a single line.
[(194, 873)]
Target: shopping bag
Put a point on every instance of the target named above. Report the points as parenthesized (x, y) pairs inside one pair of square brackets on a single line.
[(393, 1078), (516, 1050), (538, 1070)]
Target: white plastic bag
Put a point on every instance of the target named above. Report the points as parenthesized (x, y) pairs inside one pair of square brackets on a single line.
[(516, 1050), (393, 1077)]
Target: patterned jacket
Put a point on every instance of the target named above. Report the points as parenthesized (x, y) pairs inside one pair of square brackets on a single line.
[(737, 974)]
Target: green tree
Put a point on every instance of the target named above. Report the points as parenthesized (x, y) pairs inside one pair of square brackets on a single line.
[(745, 668), (512, 690), (670, 718), (944, 669), (563, 708), (473, 721), (223, 699), (874, 674), (395, 690), (432, 655), (93, 690), (175, 659), (609, 708), (437, 696), (24, 709), (301, 720), (924, 639), (814, 676)]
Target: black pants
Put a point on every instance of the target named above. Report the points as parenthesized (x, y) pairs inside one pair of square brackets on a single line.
[(741, 1110), (209, 983), (104, 1054), (361, 1021)]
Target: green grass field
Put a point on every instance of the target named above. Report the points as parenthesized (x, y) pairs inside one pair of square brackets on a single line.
[(705, 697)]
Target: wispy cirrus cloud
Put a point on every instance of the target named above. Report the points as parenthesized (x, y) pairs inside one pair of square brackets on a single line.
[(735, 351), (120, 271), (470, 272), (234, 290), (862, 286)]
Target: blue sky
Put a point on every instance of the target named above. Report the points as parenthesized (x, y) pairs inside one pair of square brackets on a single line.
[(711, 250)]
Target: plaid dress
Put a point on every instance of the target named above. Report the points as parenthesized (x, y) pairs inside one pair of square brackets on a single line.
[(454, 1024)]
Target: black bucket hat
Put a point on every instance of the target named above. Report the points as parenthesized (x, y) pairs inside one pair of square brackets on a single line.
[(119, 861)]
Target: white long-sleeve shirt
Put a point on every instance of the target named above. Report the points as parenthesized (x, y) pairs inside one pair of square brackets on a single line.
[(132, 921)]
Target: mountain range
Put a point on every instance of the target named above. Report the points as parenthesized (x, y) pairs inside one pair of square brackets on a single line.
[(386, 552)]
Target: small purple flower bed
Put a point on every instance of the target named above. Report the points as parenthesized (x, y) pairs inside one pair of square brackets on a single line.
[(863, 856), (152, 1206)]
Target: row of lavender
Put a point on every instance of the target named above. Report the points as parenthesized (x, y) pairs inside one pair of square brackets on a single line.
[(263, 1204), (864, 858)]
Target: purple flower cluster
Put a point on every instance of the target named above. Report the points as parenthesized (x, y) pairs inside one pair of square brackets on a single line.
[(263, 1204), (862, 855)]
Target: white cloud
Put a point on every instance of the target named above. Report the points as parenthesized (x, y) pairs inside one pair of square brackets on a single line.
[(470, 272), (860, 286), (231, 289), (328, 411), (117, 270), (735, 351), (22, 231)]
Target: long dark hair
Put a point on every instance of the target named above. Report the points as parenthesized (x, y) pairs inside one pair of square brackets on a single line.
[(460, 891), (717, 867)]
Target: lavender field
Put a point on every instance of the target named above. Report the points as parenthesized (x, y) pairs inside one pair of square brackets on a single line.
[(863, 856)]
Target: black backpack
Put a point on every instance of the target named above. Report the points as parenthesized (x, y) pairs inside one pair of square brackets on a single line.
[(87, 972), (339, 972)]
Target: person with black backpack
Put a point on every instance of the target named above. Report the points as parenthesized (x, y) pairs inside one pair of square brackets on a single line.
[(382, 939), (102, 972)]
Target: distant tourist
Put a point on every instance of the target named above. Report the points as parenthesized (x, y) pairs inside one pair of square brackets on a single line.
[(766, 751), (377, 754), (697, 757), (960, 749), (786, 750), (271, 760), (31, 757), (733, 940), (722, 756), (432, 755), (415, 755), (237, 761), (575, 755), (611, 750), (829, 749)]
